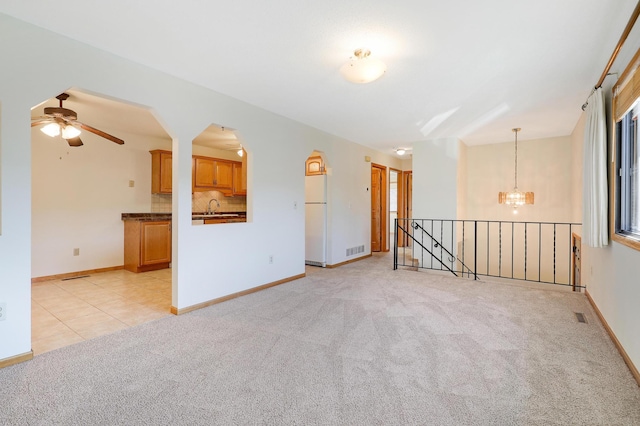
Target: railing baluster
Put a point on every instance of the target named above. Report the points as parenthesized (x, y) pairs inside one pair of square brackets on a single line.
[(554, 253), (525, 251), (539, 252), (488, 249), (475, 249), (500, 250)]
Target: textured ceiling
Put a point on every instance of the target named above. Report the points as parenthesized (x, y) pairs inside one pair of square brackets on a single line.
[(458, 68)]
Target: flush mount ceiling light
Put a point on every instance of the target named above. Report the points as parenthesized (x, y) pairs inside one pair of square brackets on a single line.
[(362, 68), (400, 151), (515, 198)]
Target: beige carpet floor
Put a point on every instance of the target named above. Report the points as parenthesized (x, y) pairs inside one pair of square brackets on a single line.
[(357, 345)]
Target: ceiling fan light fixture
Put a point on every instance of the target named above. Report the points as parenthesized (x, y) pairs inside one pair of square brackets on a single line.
[(70, 132), (362, 68), (51, 129)]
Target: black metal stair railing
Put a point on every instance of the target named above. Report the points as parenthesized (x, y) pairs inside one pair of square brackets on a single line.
[(435, 244), (532, 251)]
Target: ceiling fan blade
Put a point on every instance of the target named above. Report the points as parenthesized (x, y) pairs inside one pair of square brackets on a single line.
[(100, 133), (41, 120), (74, 141)]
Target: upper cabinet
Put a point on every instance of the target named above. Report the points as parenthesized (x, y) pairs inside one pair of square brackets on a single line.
[(160, 172), (239, 184), (240, 175), (208, 174), (212, 174)]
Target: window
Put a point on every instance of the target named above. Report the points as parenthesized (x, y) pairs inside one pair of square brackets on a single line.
[(628, 175), (625, 173)]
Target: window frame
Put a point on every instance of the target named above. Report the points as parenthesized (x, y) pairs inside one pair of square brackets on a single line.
[(626, 131), (626, 97)]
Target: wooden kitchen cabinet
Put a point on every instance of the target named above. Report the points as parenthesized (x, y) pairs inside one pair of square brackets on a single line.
[(147, 245), (214, 221), (212, 174), (239, 179), (161, 174)]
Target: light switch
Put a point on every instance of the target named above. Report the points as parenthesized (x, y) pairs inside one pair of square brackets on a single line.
[(132, 184)]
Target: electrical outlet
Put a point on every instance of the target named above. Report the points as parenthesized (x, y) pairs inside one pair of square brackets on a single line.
[(270, 258), (76, 252), (3, 311)]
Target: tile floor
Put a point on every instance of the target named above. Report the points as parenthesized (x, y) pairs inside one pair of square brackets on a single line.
[(65, 312)]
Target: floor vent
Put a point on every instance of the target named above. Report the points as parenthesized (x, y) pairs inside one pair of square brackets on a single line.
[(74, 278), (355, 250), (580, 317)]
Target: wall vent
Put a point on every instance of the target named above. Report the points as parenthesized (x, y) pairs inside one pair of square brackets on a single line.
[(355, 250), (580, 317), (74, 278)]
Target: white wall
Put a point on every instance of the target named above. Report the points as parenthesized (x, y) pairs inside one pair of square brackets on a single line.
[(208, 261), (435, 178), (611, 277)]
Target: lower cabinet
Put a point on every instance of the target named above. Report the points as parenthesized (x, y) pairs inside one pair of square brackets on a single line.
[(147, 245), (224, 220)]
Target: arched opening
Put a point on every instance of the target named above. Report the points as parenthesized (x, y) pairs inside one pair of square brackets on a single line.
[(81, 186)]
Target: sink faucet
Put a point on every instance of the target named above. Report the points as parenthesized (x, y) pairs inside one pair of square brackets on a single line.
[(209, 211)]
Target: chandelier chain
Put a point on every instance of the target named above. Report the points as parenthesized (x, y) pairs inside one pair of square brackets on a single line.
[(516, 159)]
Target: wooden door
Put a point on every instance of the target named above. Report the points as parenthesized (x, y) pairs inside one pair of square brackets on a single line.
[(404, 206), (378, 208), (576, 261)]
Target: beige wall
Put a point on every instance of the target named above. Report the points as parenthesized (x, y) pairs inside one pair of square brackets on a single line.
[(577, 142), (544, 167)]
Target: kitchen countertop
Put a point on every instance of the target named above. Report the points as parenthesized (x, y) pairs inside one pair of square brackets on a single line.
[(146, 217)]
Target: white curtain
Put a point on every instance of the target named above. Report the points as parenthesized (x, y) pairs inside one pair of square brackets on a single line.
[(595, 224)]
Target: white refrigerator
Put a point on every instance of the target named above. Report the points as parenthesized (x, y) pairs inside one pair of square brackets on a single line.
[(315, 205)]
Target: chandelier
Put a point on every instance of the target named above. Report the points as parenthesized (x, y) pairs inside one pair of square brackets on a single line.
[(515, 198)]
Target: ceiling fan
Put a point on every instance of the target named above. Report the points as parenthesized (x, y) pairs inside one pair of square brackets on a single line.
[(64, 121)]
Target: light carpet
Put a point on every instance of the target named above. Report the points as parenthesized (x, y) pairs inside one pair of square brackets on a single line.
[(357, 345)]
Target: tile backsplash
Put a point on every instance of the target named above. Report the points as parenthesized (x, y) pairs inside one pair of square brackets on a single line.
[(161, 203)]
